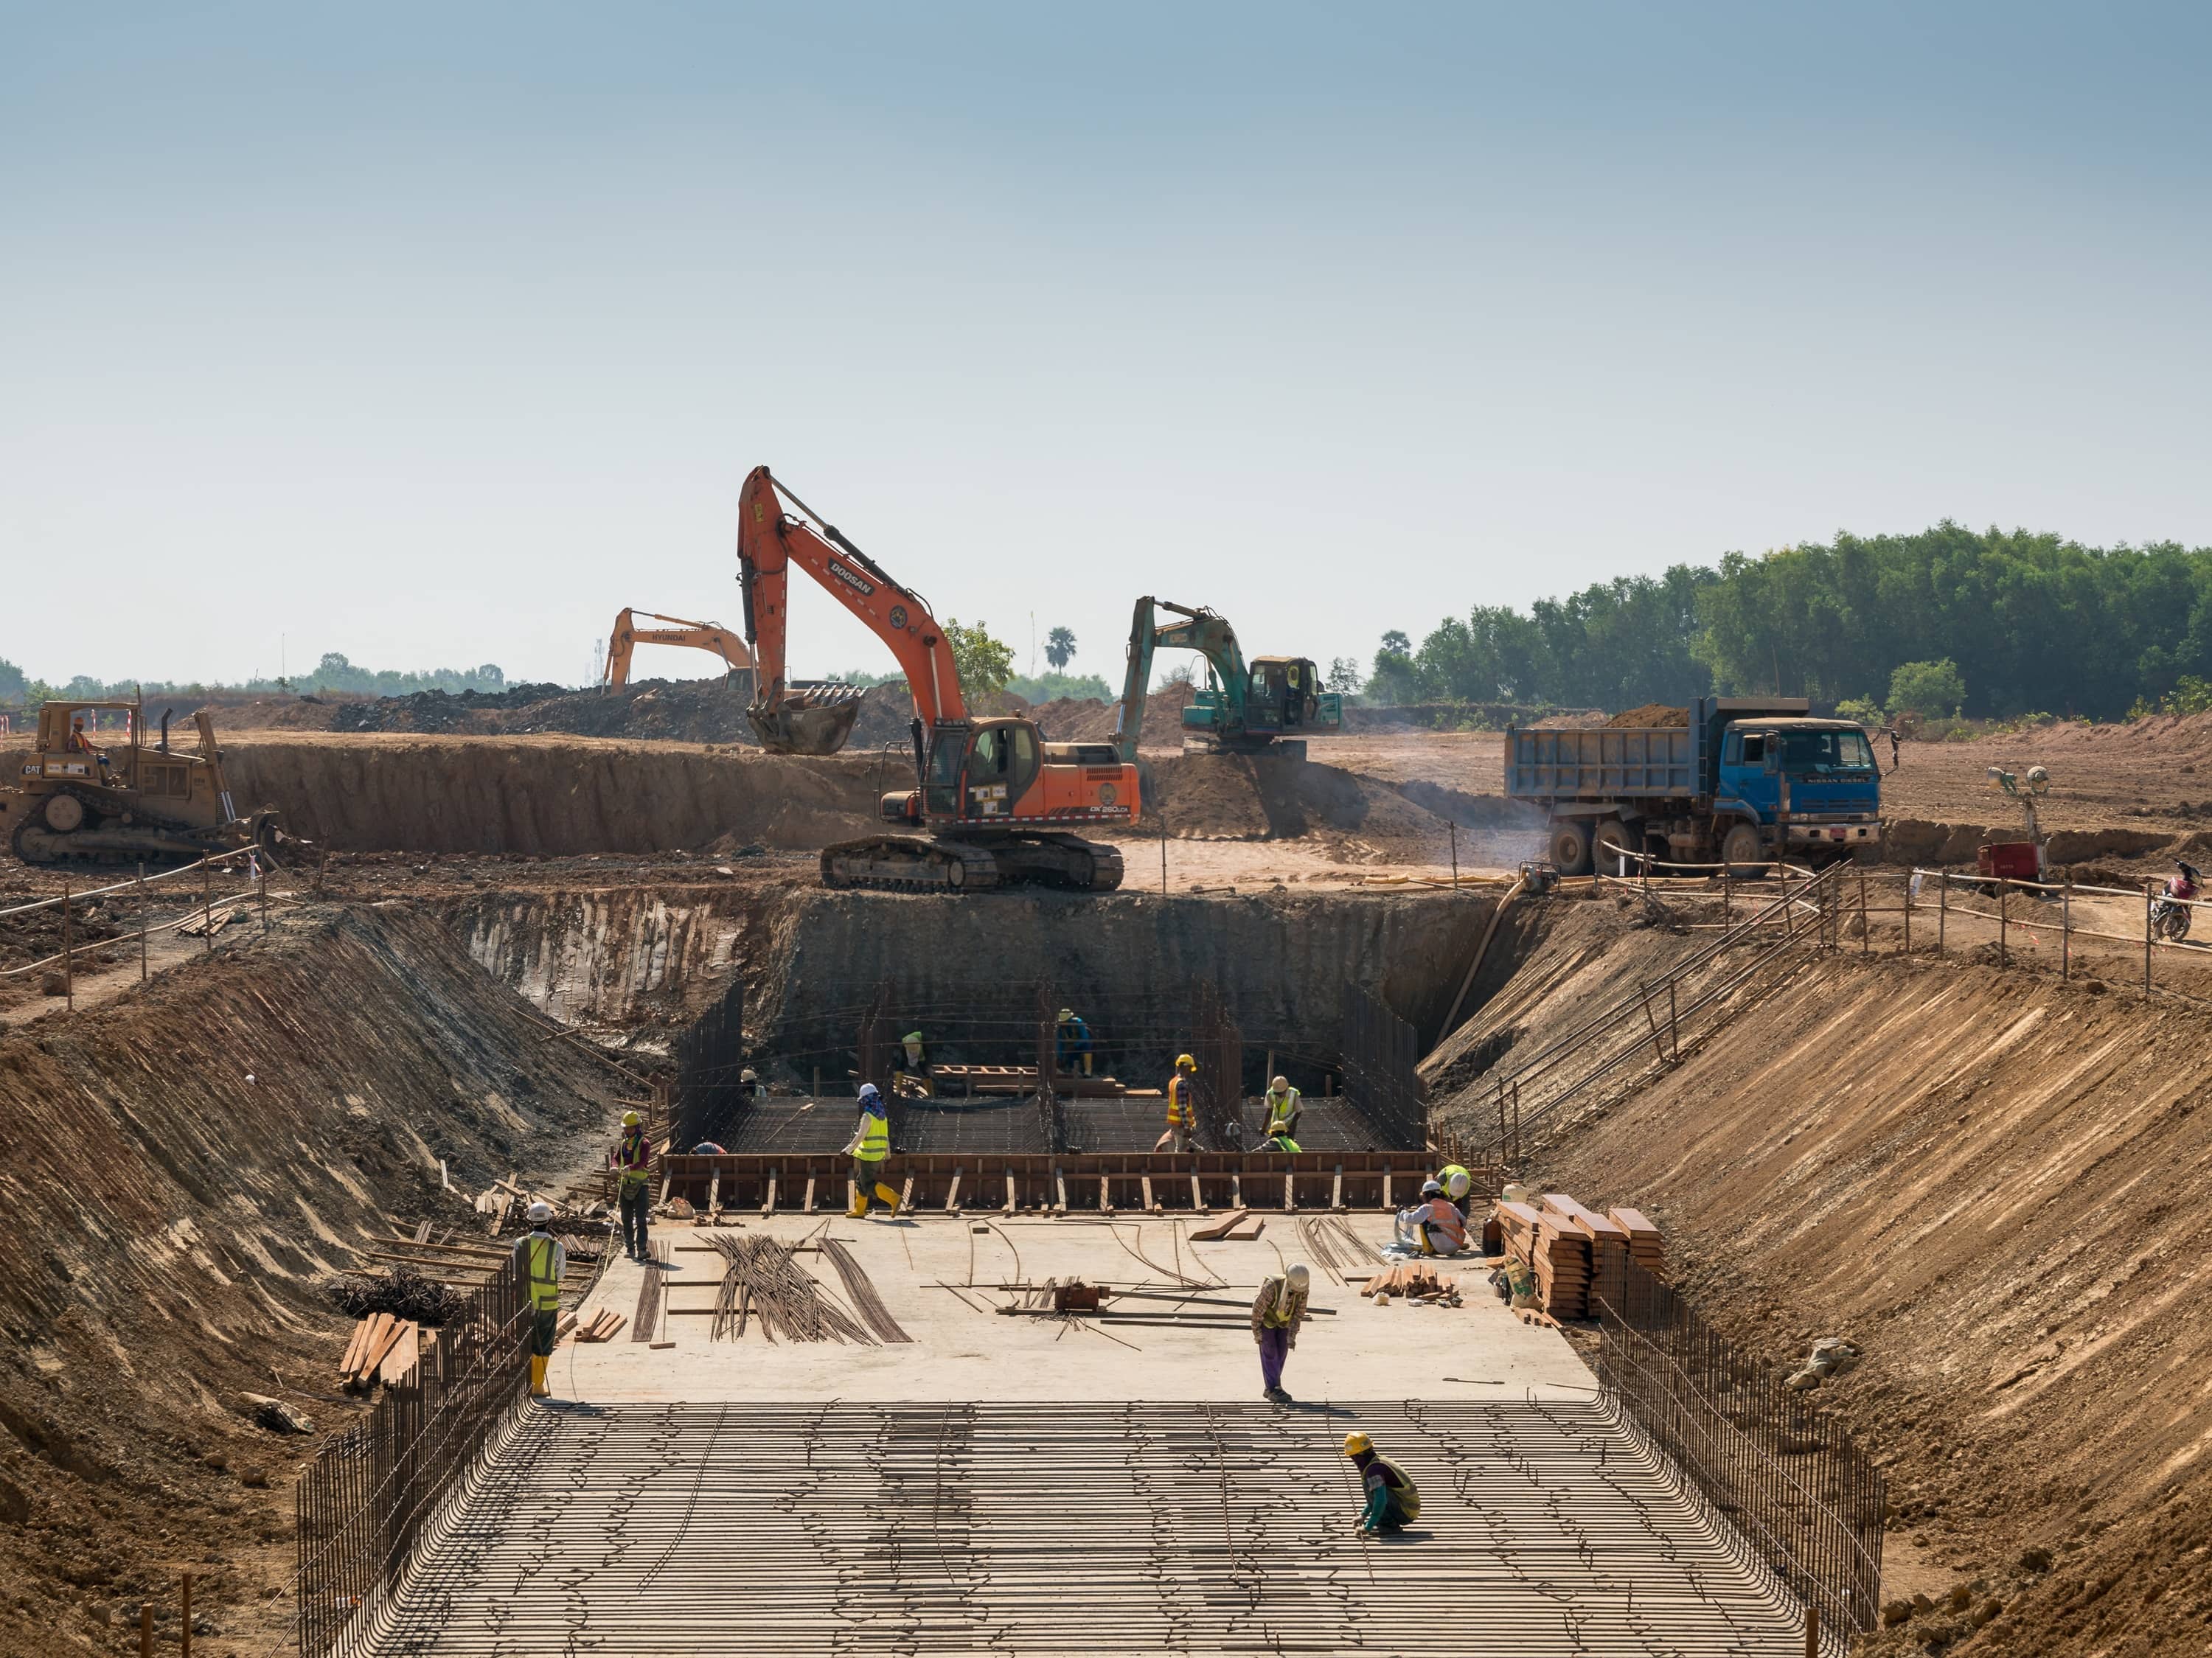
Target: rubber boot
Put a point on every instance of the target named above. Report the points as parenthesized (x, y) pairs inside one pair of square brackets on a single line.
[(537, 1387), (859, 1209), (890, 1200)]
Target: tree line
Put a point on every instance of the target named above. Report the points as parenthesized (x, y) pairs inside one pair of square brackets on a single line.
[(2025, 623), (333, 673)]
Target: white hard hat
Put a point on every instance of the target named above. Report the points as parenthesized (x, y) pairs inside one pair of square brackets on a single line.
[(541, 1211), (1457, 1186), (1298, 1276), (1280, 1083)]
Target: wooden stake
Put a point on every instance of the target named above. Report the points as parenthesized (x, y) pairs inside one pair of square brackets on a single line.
[(2065, 930), (142, 924), (185, 1634), (207, 908), (69, 949), (146, 1631), (1455, 834), (2147, 907), (1942, 907)]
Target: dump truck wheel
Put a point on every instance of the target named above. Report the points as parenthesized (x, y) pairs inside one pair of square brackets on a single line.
[(1740, 849), (1570, 847), (1611, 838)]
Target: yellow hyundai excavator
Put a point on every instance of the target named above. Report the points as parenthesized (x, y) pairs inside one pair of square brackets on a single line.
[(626, 637), (993, 802)]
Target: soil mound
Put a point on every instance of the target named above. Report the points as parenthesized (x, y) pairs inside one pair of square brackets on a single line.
[(192, 1162), (1082, 719), (1653, 715)]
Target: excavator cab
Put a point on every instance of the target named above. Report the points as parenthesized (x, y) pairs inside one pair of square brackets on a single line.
[(978, 771)]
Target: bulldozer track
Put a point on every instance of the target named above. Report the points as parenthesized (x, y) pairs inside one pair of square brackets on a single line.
[(189, 840)]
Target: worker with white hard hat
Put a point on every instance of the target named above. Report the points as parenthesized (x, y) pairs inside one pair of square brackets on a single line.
[(1433, 1225), (1284, 1109), (750, 1085), (540, 1260), (1277, 1312), (632, 1160), (1458, 1186), (869, 1148)]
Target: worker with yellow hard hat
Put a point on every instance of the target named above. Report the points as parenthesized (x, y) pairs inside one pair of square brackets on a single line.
[(632, 1162), (1182, 1107), (1072, 1043), (1394, 1501), (540, 1259)]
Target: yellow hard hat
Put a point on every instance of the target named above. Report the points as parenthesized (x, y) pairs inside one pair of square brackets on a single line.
[(1065, 1014), (1184, 1062), (1355, 1443), (630, 1120)]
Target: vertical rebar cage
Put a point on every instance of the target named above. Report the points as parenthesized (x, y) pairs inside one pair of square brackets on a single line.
[(1800, 1492), (362, 1504)]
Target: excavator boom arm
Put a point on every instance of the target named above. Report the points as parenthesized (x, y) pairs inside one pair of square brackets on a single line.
[(626, 637), (770, 540), (1202, 630)]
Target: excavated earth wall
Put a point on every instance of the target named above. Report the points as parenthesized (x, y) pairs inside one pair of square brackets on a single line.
[(1997, 1185), (179, 1168)]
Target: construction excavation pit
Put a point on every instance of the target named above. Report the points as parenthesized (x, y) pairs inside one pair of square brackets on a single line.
[(1806, 1288)]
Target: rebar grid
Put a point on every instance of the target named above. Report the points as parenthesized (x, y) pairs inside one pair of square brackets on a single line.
[(1052, 1529)]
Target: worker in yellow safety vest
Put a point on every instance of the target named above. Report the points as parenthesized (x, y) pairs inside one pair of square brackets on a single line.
[(1457, 1184), (1392, 1500), (1182, 1107), (540, 1259), (1283, 1110), (632, 1159), (869, 1148)]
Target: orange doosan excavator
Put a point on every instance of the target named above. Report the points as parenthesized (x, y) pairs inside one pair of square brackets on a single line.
[(626, 636), (993, 803)]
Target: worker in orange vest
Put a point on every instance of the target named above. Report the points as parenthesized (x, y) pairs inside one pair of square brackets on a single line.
[(1182, 1107)]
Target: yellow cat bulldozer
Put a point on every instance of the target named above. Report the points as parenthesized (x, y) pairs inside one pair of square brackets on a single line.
[(76, 799)]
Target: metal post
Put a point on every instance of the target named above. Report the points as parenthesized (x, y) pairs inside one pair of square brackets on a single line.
[(261, 881), (1728, 901), (2004, 891), (1164, 855), (69, 948), (1942, 906), (817, 1082), (1455, 838), (322, 863), (142, 924), (2066, 930)]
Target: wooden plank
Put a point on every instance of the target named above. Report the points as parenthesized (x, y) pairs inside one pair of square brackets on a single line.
[(422, 1233), (360, 1340), (1236, 1190), (1013, 1197), (953, 1192), (906, 1194), (808, 1207), (714, 1195), (768, 1203), (1219, 1229), (1149, 1204), (402, 1357), (1060, 1190), (1336, 1191), (1197, 1196), (1387, 1203), (1289, 1190), (380, 1348), (1105, 1195)]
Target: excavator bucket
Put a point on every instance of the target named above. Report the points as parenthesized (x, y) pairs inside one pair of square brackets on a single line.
[(811, 717)]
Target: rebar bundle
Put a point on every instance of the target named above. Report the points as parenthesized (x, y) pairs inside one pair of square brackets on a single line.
[(1330, 1240), (402, 1292), (764, 1277), (865, 1301)]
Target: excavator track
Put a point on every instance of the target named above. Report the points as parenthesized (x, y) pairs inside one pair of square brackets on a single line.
[(914, 863)]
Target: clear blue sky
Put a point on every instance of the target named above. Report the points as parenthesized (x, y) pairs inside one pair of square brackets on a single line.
[(434, 334)]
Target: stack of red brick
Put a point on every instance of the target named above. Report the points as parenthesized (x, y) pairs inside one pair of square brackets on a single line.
[(1576, 1253)]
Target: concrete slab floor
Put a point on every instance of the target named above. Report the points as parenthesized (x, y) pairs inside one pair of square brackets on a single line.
[(960, 1349)]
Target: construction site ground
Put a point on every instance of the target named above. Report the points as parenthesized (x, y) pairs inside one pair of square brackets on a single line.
[(1983, 1174)]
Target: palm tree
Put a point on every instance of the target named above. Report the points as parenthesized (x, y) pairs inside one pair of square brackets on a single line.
[(1060, 648)]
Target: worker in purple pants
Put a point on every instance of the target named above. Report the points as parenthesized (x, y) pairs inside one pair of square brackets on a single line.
[(1277, 1312)]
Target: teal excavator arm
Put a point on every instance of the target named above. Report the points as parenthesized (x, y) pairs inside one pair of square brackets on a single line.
[(1202, 630)]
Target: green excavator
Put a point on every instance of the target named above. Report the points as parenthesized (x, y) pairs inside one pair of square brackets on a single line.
[(1270, 706)]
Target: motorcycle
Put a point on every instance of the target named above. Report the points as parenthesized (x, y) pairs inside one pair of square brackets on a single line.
[(2170, 913)]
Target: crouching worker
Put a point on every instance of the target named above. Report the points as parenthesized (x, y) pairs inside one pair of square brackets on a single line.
[(1434, 1225), (540, 1259), (870, 1145), (1394, 1501)]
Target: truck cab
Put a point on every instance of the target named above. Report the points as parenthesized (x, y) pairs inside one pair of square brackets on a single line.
[(1810, 785)]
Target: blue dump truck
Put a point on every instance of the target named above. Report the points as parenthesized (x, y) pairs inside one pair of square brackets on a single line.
[(1741, 781)]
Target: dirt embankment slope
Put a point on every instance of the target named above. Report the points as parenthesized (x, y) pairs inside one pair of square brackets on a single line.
[(180, 1170), (1997, 1185)]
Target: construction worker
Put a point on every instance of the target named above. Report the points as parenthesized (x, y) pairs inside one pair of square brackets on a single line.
[(1277, 1142), (910, 1047), (1394, 1501), (1277, 1312), (540, 1259), (1182, 1107), (1282, 1108), (1458, 1184), (870, 1145), (632, 1160), (750, 1085), (1072, 1048), (1433, 1224)]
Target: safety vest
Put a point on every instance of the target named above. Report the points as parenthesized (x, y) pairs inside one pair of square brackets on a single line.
[(1179, 1112), (1443, 1214), (1281, 1142), (1276, 1317), (544, 1281), (632, 1157), (1407, 1494), (1444, 1177), (875, 1138)]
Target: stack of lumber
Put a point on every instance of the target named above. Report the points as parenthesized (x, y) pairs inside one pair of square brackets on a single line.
[(1417, 1281), (1553, 1248), (1238, 1226), (383, 1349), (601, 1327), (1608, 1245), (1645, 1246)]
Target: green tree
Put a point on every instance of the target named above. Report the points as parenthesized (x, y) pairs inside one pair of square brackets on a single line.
[(1926, 688), (1060, 648), (13, 685), (984, 664), (1344, 674), (1393, 678)]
